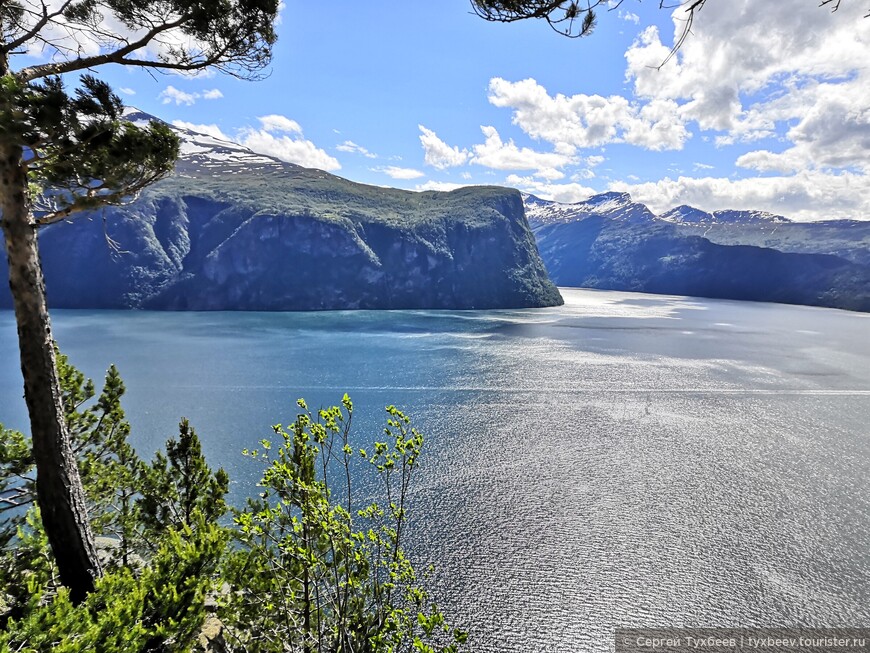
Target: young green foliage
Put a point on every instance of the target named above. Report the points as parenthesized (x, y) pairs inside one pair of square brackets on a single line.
[(159, 609), (152, 597), (314, 571), (16, 482), (99, 436), (62, 154)]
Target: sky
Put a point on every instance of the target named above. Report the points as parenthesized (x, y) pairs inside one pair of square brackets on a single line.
[(766, 106)]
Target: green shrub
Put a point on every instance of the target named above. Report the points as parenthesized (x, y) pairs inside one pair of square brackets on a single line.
[(309, 570)]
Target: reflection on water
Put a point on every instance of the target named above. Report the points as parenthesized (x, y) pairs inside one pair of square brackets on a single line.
[(623, 460)]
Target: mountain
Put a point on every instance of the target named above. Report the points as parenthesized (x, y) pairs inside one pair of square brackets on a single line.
[(745, 255), (613, 206), (235, 230), (847, 239), (689, 215)]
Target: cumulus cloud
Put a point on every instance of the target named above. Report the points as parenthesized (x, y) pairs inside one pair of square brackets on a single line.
[(279, 124), (399, 173), (583, 121), (211, 129), (276, 136), (751, 69), (498, 155), (786, 73), (440, 186), (832, 132), (565, 193), (282, 138), (171, 94), (353, 148), (439, 154)]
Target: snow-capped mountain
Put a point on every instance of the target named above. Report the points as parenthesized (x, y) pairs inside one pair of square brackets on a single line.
[(685, 214), (620, 206), (614, 206), (203, 152), (610, 242), (233, 229)]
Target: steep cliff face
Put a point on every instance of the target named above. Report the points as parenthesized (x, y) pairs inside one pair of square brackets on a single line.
[(626, 249), (280, 237)]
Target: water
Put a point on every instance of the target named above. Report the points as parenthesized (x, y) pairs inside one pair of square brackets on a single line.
[(624, 460)]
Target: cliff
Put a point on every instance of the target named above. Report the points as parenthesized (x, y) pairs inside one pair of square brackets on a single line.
[(623, 252), (231, 230)]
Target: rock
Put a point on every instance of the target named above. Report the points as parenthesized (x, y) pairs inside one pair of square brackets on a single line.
[(237, 230)]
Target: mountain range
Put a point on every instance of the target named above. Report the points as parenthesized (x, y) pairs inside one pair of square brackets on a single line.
[(611, 242), (235, 230)]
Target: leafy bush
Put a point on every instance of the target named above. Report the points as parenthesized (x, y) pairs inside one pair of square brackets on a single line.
[(308, 569)]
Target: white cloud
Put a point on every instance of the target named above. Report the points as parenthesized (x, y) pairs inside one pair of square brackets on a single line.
[(749, 68), (566, 193), (211, 130), (550, 174), (350, 146), (630, 17), (272, 138), (808, 195), (439, 154), (127, 91), (832, 131), (274, 123), (438, 185), (287, 148), (498, 155), (594, 160), (582, 121), (171, 94), (751, 71), (400, 173)]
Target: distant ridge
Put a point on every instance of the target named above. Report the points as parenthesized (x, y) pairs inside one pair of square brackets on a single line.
[(685, 214), (611, 242), (620, 206)]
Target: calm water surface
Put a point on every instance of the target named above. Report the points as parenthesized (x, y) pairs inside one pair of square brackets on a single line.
[(624, 460)]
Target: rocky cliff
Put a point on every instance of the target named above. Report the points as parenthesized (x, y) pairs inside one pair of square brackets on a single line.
[(233, 230), (612, 243)]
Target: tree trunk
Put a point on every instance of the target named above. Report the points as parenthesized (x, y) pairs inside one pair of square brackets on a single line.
[(59, 490)]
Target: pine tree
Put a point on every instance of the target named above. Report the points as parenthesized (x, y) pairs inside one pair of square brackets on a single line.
[(63, 153), (179, 489)]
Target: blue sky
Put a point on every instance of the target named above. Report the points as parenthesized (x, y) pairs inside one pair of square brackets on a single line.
[(766, 107)]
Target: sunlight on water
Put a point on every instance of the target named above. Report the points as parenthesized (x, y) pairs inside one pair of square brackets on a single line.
[(624, 460)]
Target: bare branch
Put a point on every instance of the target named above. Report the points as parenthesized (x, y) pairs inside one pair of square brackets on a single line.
[(117, 198), (33, 31), (114, 245), (691, 7), (15, 498), (45, 70)]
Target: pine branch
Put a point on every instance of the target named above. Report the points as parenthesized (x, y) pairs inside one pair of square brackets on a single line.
[(82, 63)]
